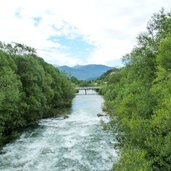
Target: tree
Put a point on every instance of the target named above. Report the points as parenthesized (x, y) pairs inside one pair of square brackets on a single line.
[(9, 96), (138, 99), (30, 89)]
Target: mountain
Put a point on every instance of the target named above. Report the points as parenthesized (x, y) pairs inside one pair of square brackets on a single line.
[(85, 72)]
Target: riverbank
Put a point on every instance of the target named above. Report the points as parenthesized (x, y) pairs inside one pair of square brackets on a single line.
[(75, 143)]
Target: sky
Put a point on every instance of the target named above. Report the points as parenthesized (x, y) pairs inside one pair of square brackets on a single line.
[(77, 32)]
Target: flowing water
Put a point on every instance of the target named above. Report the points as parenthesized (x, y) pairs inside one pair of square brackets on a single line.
[(77, 143)]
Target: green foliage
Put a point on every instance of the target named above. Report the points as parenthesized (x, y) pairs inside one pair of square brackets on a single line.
[(82, 83), (164, 57), (138, 100), (17, 49), (10, 95), (132, 160), (30, 89)]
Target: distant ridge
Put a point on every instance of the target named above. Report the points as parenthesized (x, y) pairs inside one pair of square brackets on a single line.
[(85, 72)]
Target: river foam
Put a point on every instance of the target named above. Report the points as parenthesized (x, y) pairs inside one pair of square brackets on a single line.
[(77, 143)]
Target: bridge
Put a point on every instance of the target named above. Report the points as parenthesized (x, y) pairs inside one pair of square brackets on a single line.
[(88, 88)]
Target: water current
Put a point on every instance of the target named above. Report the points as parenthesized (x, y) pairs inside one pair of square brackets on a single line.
[(77, 143)]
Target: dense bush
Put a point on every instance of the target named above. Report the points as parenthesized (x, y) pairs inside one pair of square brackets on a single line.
[(30, 89), (138, 100)]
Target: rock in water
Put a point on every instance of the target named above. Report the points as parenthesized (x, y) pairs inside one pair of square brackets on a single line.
[(66, 116), (100, 114)]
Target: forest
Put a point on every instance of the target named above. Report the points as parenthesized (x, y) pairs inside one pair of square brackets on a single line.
[(138, 100), (137, 96), (30, 89)]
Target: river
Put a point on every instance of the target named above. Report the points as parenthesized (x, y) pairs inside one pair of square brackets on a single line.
[(77, 143)]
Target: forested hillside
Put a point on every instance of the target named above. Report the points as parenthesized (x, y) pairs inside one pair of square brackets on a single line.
[(138, 100), (85, 72), (30, 89)]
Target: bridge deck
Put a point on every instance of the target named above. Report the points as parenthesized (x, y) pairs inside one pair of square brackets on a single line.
[(87, 88)]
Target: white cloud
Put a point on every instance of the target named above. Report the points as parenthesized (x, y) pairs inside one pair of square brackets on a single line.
[(111, 25)]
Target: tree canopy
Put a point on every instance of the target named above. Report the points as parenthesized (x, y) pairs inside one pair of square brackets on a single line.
[(138, 100), (30, 89)]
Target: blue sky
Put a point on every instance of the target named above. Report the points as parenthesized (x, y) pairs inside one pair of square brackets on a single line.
[(76, 47), (37, 20), (72, 32)]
